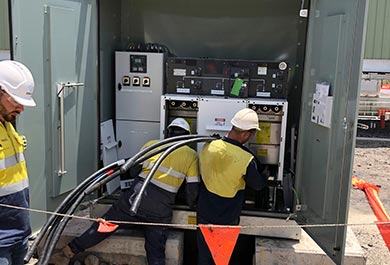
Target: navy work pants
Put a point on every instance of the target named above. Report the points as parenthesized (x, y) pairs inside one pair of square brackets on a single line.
[(13, 255)]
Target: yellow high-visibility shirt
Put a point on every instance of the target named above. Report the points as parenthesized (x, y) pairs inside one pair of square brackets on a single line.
[(13, 172), (223, 166), (180, 165)]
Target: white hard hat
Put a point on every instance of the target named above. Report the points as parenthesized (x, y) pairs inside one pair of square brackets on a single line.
[(17, 81), (246, 119), (181, 123)]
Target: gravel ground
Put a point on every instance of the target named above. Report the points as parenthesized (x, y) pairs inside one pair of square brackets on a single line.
[(372, 164)]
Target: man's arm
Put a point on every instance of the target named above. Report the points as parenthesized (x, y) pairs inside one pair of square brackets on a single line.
[(192, 191), (255, 177), (192, 183)]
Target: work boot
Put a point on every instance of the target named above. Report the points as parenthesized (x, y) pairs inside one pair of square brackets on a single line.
[(63, 257)]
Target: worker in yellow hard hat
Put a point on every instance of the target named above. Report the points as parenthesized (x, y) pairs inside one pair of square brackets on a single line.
[(227, 166)]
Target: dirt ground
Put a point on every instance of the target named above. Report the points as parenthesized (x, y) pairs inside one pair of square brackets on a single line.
[(372, 164)]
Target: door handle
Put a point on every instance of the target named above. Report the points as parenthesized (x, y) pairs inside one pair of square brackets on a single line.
[(60, 93)]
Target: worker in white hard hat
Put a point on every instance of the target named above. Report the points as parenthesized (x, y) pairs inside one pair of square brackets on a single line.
[(157, 200), (227, 166), (16, 88)]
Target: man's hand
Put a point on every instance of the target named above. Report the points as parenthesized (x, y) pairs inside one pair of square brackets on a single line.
[(266, 172)]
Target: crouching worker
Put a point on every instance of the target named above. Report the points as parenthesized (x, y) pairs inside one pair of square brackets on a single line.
[(156, 203)]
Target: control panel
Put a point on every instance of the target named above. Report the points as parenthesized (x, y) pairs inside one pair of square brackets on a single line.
[(209, 115), (229, 78), (268, 144), (139, 81), (177, 106)]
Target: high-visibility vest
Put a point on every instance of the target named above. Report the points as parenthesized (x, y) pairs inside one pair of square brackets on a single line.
[(180, 165), (13, 172), (223, 166)]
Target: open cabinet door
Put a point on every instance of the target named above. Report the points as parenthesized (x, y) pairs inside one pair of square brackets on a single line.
[(57, 40), (325, 152)]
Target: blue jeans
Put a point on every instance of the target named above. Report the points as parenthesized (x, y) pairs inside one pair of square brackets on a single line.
[(13, 255)]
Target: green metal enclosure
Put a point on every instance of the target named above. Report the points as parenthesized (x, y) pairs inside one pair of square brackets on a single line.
[(325, 155), (57, 40), (73, 41)]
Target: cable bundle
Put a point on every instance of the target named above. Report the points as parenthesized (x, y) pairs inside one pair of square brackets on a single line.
[(148, 47), (54, 226)]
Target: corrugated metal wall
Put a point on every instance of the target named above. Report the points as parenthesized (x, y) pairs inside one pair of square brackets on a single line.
[(4, 28), (378, 30)]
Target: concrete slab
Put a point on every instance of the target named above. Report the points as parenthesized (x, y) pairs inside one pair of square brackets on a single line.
[(185, 217), (125, 246), (304, 252)]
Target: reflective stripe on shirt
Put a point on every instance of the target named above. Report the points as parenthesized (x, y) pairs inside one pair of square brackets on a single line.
[(173, 170), (161, 184), (192, 179), (11, 161), (15, 187), (165, 170)]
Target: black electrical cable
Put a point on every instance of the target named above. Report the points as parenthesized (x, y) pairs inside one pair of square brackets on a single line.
[(60, 225), (92, 183), (56, 232), (85, 185), (149, 47), (49, 247), (64, 205), (153, 153), (137, 200), (50, 238), (96, 185), (131, 161), (60, 220)]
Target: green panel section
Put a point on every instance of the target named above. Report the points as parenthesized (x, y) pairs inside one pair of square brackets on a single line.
[(4, 25), (378, 30), (62, 53)]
